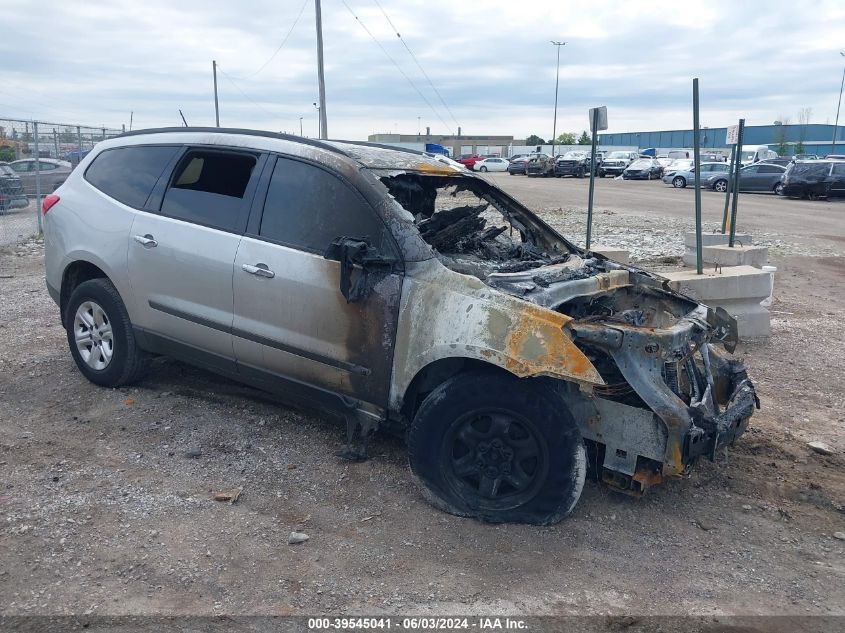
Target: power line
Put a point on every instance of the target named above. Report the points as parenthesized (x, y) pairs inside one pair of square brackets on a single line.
[(398, 67), (416, 61), (284, 41), (238, 88)]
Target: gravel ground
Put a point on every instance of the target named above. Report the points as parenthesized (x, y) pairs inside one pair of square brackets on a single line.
[(107, 501)]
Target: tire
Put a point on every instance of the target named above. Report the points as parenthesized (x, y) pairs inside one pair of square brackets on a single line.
[(110, 355), (679, 182), (464, 445), (720, 185), (601, 174), (483, 168), (778, 189), (580, 173)]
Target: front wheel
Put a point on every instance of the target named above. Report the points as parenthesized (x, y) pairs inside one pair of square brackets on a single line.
[(678, 182), (100, 335), (483, 168), (721, 186), (499, 449)]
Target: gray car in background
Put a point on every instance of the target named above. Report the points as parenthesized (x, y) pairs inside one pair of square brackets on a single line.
[(52, 173), (710, 174), (761, 177)]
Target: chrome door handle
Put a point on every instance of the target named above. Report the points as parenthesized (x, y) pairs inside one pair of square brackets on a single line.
[(260, 270), (148, 241)]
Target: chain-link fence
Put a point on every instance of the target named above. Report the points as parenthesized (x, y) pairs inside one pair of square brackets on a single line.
[(35, 158)]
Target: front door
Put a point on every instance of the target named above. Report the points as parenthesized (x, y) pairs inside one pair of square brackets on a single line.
[(291, 318), (180, 260)]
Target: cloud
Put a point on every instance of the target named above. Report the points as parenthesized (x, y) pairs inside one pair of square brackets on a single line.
[(492, 62)]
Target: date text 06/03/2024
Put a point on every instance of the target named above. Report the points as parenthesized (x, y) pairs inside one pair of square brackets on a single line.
[(417, 623)]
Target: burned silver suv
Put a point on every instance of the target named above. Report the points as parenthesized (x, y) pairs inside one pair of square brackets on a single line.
[(399, 291)]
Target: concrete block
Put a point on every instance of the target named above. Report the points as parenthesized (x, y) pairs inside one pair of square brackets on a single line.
[(616, 254), (724, 255), (712, 239), (737, 289)]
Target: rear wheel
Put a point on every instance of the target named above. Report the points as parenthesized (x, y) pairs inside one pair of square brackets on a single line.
[(721, 185), (483, 168), (100, 335), (499, 449), (679, 182), (778, 189)]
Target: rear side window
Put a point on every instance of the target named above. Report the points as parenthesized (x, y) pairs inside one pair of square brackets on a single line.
[(770, 169), (128, 174), (810, 170), (208, 188), (839, 169), (308, 207)]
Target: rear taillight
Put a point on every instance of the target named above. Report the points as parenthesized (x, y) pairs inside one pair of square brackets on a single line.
[(49, 201)]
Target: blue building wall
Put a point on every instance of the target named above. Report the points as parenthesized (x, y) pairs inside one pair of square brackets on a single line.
[(817, 137)]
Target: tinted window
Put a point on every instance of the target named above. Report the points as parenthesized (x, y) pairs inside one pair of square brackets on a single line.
[(208, 188), (308, 207), (770, 169), (128, 174), (839, 169)]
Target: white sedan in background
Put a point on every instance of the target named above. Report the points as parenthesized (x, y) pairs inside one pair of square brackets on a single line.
[(491, 164)]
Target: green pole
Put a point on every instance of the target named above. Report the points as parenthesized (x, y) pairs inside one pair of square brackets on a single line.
[(593, 125), (696, 146), (735, 183), (728, 193)]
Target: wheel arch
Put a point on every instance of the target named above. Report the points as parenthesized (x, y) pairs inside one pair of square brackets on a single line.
[(75, 273)]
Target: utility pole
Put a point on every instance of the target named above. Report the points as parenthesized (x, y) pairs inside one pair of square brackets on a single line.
[(216, 106), (324, 132), (557, 81), (300, 126), (131, 116), (836, 125)]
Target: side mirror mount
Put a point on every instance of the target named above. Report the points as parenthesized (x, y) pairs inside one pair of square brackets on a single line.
[(361, 266)]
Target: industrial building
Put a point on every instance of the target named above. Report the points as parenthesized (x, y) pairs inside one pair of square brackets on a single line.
[(816, 138), (458, 145)]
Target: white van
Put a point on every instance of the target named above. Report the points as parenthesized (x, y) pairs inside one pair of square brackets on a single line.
[(754, 155)]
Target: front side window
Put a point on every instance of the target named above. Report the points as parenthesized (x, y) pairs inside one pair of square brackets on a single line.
[(128, 174), (308, 207), (208, 187), (21, 167)]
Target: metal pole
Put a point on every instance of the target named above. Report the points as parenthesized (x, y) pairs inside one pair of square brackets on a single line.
[(696, 149), (131, 116), (557, 81), (728, 193), (79, 142), (56, 142), (836, 125), (324, 131), (37, 176), (593, 126), (216, 105), (735, 186), (300, 126)]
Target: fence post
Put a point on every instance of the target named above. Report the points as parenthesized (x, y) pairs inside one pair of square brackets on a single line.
[(37, 177), (56, 142), (104, 134), (79, 141)]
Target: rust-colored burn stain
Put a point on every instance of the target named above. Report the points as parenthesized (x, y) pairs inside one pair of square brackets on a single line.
[(676, 466), (647, 479), (536, 345), (436, 170)]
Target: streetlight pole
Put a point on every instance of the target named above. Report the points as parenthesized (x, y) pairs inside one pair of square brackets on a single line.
[(300, 126), (836, 125), (216, 106), (557, 82)]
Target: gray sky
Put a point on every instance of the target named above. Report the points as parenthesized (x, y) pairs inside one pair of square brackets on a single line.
[(94, 62)]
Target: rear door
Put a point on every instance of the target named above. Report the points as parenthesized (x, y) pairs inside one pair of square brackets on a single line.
[(749, 178), (837, 178), (181, 257), (770, 175), (291, 319)]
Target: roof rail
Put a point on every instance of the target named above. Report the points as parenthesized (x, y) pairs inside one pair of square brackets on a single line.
[(246, 132), (379, 146)]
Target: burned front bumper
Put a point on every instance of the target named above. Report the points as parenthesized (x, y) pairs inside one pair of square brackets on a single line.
[(690, 400)]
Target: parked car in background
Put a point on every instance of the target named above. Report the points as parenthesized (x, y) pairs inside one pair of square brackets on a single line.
[(677, 165), (12, 195), (52, 173), (516, 166), (814, 179), (540, 165), (710, 173), (616, 162), (805, 157), (469, 160), (643, 169), (573, 163), (749, 156), (665, 161), (712, 157), (758, 177), (835, 157), (491, 164)]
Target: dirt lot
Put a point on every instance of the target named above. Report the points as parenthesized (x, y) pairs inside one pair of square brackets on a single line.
[(106, 501)]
